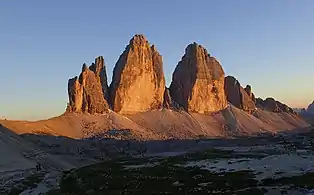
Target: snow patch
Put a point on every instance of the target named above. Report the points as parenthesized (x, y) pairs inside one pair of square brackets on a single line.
[(269, 167)]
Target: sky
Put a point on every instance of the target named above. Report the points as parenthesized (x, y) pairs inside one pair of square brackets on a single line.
[(267, 44)]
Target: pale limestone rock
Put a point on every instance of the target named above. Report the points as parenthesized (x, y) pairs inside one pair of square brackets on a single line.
[(75, 91), (248, 89), (86, 93), (138, 81), (167, 99), (272, 105), (198, 82), (99, 69), (238, 96)]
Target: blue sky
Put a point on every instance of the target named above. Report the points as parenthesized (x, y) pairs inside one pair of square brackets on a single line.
[(267, 44)]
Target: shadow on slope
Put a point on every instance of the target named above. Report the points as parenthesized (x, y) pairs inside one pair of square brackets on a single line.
[(78, 152), (307, 116), (73, 150), (163, 124), (18, 153)]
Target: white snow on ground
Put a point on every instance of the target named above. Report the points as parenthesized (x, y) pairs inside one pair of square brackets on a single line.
[(167, 154), (49, 182), (140, 166), (252, 148), (290, 191), (268, 167), (280, 189)]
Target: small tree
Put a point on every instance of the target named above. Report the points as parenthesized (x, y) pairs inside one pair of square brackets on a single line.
[(69, 185)]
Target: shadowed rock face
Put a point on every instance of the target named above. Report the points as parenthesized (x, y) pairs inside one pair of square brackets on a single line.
[(75, 92), (88, 93), (198, 82), (284, 107), (167, 99), (99, 69), (248, 90), (270, 104), (259, 103), (237, 96), (232, 90), (138, 81), (310, 108)]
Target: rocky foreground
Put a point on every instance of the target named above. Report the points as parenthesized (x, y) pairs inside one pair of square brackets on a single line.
[(281, 164)]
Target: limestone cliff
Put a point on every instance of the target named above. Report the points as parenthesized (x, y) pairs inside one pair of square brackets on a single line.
[(138, 81), (198, 82), (238, 96), (272, 105), (248, 90), (88, 93)]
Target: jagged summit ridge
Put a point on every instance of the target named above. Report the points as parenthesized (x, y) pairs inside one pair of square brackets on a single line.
[(88, 92), (138, 84)]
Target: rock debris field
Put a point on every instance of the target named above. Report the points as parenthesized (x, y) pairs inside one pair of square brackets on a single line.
[(281, 164)]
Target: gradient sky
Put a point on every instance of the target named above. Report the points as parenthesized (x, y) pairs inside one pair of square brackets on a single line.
[(265, 43)]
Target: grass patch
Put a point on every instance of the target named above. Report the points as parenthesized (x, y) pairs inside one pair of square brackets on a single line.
[(210, 154), (112, 178), (165, 177)]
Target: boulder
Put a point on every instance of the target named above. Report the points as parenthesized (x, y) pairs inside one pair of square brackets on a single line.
[(237, 96), (198, 82), (88, 93), (138, 81)]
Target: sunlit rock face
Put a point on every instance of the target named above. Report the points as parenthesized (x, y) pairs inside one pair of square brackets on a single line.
[(248, 90), (198, 82), (88, 93), (138, 81)]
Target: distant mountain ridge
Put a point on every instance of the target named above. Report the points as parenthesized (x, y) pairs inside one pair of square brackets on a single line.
[(310, 108), (307, 113)]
